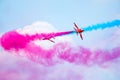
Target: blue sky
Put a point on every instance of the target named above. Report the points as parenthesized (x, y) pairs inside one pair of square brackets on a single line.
[(61, 14)]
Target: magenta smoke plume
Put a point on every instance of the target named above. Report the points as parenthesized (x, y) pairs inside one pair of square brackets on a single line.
[(61, 51), (17, 41)]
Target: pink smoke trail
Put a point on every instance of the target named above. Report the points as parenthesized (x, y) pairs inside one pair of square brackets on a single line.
[(57, 53), (15, 40)]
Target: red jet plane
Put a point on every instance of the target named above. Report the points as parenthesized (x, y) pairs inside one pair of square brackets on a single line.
[(78, 31)]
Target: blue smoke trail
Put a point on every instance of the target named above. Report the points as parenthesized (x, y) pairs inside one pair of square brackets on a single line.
[(103, 25)]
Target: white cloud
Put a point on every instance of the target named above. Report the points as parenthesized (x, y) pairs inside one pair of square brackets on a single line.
[(112, 40), (37, 27), (43, 27), (21, 68)]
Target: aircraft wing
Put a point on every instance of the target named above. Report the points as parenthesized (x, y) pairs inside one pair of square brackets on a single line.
[(81, 36), (51, 40), (76, 25)]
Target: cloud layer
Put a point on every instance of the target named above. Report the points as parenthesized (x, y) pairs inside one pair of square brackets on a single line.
[(61, 61)]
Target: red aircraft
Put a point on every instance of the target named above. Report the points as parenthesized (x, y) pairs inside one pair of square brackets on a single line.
[(78, 31)]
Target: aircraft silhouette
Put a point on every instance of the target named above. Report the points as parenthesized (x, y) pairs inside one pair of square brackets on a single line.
[(78, 31)]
